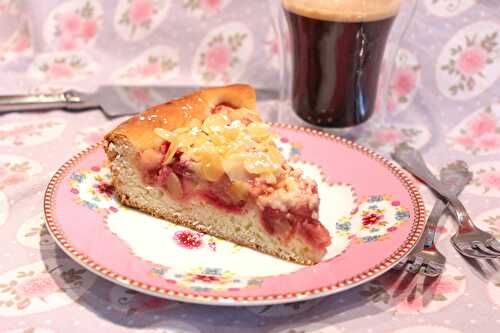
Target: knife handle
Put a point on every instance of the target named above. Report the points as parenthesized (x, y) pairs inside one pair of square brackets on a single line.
[(39, 102)]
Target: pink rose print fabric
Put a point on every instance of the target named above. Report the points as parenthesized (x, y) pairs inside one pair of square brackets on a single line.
[(468, 64), (63, 67), (73, 25), (136, 19), (486, 181), (442, 99), (205, 8), (413, 296), (223, 54), (19, 44), (479, 133)]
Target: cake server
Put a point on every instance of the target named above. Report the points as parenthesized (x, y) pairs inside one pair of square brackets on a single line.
[(113, 101)]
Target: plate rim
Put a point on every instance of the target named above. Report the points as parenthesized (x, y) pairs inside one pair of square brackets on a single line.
[(194, 297)]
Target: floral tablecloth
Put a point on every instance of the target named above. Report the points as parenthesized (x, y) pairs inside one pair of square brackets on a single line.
[(444, 100)]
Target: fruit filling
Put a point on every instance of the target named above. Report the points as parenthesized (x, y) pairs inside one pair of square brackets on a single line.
[(230, 160)]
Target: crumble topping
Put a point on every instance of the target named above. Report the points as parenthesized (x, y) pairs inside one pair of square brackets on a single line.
[(228, 142)]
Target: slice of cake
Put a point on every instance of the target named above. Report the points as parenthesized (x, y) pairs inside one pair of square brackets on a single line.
[(206, 161)]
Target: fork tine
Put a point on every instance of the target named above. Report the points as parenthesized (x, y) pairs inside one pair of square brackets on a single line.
[(469, 252), (481, 247), (473, 253), (414, 267), (494, 245), (432, 269)]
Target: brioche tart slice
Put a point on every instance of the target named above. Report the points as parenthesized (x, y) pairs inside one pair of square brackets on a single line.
[(207, 161)]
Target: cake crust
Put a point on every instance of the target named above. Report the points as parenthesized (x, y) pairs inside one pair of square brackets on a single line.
[(139, 130)]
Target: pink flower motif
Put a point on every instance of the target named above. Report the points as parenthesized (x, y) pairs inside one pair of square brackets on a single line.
[(150, 69), (388, 136), (21, 45), (210, 6), (444, 286), (217, 58), (140, 11), (88, 30), (70, 23), (13, 179), (59, 71), (464, 140), (472, 60), (489, 141), (407, 304), (490, 179), (67, 42), (39, 286), (484, 123), (404, 81)]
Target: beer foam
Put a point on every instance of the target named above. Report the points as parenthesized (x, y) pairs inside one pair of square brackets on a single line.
[(344, 10)]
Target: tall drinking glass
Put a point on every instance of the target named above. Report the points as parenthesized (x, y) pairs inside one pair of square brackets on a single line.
[(330, 74)]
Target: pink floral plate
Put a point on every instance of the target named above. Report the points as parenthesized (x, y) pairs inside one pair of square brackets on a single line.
[(372, 209)]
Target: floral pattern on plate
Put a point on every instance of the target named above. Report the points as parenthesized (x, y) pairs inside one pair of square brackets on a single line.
[(375, 218), (36, 287), (205, 8), (479, 133), (73, 25), (91, 188), (4, 208), (136, 19), (469, 62), (132, 302), (63, 66), (448, 8), (486, 181), (34, 234), (400, 295), (18, 45), (16, 169), (223, 54), (203, 279), (31, 133), (153, 66)]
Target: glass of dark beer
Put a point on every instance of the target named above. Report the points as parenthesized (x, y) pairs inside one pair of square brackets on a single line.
[(336, 52)]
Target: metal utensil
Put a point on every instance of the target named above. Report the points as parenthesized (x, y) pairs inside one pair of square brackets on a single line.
[(470, 241), (425, 258), (113, 101)]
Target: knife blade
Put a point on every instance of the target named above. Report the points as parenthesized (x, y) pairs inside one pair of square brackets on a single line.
[(113, 101)]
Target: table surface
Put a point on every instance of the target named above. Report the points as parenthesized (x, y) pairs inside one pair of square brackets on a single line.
[(444, 100)]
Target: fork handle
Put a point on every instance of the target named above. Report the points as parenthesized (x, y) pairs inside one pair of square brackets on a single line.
[(412, 161)]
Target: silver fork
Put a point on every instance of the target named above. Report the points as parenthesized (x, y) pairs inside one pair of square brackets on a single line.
[(425, 257), (470, 241)]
